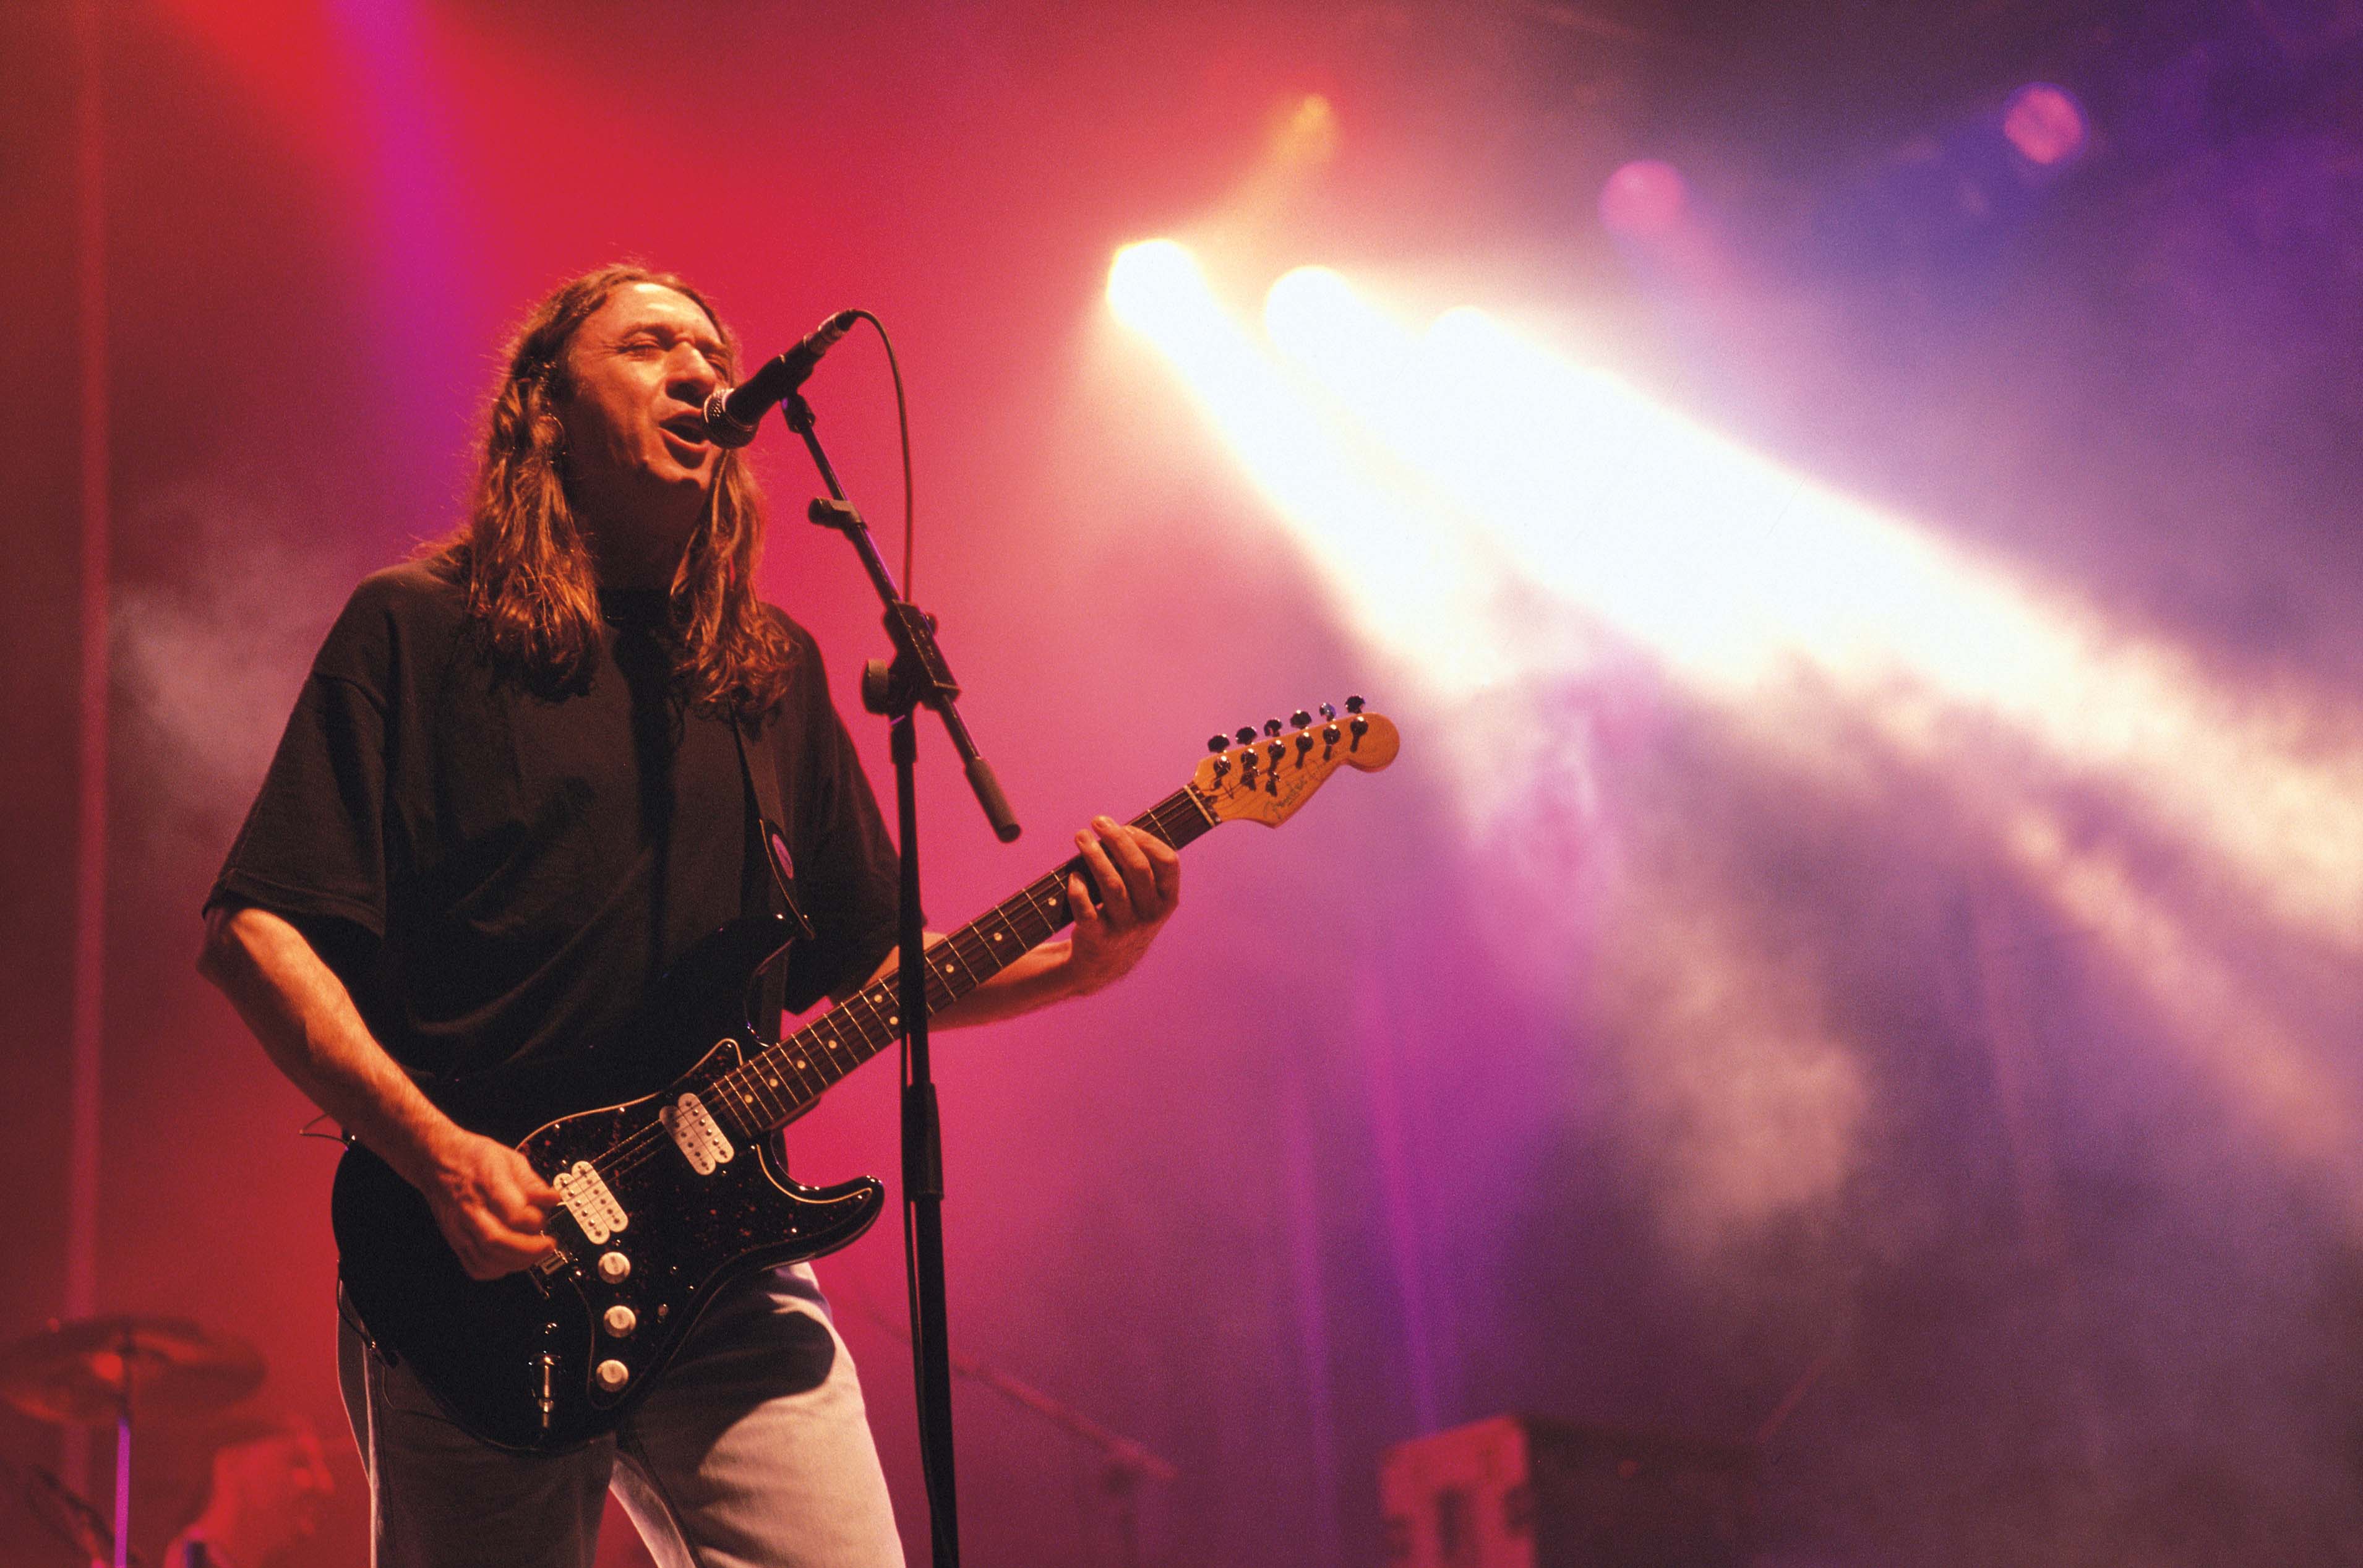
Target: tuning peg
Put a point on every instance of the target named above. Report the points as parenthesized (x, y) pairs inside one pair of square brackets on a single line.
[(1300, 719), (1221, 766), (1219, 744), (1353, 705), (1272, 726), (1328, 710), (1247, 735)]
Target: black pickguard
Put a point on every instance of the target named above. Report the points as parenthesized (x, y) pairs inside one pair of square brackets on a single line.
[(515, 1361)]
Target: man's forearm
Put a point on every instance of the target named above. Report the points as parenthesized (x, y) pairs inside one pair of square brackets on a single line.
[(1114, 925), (1040, 977), (306, 1023), (1036, 980)]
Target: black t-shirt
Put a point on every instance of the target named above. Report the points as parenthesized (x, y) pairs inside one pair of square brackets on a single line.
[(501, 877)]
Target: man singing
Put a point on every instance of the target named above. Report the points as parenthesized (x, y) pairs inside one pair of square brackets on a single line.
[(511, 795)]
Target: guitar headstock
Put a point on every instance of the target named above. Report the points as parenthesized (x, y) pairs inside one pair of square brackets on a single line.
[(1264, 777)]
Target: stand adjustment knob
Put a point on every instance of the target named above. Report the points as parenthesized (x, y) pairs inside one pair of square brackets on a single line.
[(877, 685)]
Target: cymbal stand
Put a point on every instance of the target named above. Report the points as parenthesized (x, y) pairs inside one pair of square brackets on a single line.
[(123, 1456)]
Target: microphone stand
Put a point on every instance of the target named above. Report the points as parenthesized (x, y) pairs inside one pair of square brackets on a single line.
[(917, 677)]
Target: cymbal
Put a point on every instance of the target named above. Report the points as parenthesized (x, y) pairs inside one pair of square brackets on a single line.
[(80, 1372)]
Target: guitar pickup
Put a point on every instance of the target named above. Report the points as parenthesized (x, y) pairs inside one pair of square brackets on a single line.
[(584, 1192), (696, 1132)]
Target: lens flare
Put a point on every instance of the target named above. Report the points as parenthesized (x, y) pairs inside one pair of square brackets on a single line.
[(1454, 474), (1742, 573), (1155, 286), (1381, 540)]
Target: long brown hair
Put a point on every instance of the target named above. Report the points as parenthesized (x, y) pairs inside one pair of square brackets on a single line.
[(532, 596)]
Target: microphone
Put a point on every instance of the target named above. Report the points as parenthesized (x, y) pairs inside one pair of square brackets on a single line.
[(731, 417)]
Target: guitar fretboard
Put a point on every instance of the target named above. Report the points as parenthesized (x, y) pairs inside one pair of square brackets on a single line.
[(772, 1087)]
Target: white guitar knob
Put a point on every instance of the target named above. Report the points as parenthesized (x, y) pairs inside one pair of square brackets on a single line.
[(612, 1374), (614, 1267), (620, 1320)]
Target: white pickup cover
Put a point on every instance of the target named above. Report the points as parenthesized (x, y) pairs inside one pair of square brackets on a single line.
[(586, 1197), (701, 1138)]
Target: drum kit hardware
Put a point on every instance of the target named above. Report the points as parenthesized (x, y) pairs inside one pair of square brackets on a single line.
[(99, 1372)]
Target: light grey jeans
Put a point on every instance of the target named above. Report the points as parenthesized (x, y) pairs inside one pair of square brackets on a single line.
[(752, 1451)]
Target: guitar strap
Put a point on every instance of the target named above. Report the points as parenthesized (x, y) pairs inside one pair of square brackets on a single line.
[(773, 893)]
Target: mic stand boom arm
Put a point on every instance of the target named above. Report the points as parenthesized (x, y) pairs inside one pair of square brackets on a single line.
[(917, 677)]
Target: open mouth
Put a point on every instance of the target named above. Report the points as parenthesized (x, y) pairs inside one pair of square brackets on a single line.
[(687, 428)]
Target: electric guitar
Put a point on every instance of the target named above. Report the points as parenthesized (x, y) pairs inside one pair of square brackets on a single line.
[(669, 1197)]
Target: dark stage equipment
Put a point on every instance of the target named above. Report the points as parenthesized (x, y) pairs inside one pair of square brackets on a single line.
[(102, 1371), (1514, 1492)]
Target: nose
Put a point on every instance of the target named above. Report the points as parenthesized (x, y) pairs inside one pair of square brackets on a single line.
[(690, 375)]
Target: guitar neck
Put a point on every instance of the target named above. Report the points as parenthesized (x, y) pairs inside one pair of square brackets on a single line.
[(772, 1087)]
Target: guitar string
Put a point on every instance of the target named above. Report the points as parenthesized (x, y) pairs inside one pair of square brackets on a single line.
[(746, 1083), (736, 1082), (732, 1087), (965, 959), (735, 1088), (746, 1088), (871, 1035), (652, 1138)]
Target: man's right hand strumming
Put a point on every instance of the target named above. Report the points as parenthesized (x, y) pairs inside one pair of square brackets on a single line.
[(488, 1201)]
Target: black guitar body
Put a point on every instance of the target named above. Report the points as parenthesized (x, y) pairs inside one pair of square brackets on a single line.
[(550, 1358)]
